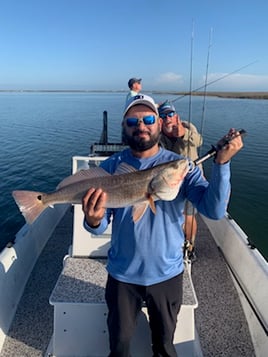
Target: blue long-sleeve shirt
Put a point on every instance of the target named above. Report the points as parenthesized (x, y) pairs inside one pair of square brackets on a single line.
[(150, 251)]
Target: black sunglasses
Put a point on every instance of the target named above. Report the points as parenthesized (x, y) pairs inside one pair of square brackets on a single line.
[(170, 115)]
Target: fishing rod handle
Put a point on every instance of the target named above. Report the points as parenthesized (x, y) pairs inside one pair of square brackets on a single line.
[(229, 138), (214, 149)]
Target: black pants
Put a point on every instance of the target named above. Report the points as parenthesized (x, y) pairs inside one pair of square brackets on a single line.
[(125, 301)]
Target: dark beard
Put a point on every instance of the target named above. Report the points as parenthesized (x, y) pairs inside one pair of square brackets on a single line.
[(139, 144)]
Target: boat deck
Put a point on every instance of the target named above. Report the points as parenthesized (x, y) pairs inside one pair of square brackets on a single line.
[(219, 318), (220, 321)]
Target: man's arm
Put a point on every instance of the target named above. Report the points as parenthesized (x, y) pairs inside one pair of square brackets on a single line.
[(191, 134), (212, 200)]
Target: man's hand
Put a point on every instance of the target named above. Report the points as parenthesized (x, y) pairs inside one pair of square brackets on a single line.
[(93, 205), (178, 130), (231, 144)]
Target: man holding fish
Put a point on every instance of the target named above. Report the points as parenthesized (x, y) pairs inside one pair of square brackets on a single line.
[(183, 138), (145, 261)]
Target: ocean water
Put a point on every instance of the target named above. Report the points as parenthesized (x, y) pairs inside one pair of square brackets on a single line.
[(41, 131)]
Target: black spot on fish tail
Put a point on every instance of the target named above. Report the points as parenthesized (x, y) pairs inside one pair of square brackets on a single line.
[(30, 204)]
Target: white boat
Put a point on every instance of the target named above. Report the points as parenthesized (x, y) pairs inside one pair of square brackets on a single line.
[(52, 282)]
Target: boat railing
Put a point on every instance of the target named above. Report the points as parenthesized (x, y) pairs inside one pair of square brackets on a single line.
[(238, 254), (15, 270)]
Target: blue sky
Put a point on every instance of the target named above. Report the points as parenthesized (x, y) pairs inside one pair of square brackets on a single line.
[(88, 44)]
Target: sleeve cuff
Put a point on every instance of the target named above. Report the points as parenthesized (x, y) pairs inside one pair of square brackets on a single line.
[(97, 230)]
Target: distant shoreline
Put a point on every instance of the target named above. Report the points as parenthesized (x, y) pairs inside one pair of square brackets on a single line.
[(236, 95)]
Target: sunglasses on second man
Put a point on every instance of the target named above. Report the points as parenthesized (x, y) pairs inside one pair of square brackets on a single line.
[(165, 115)]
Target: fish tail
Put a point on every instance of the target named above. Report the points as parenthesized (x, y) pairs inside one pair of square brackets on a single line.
[(30, 204)]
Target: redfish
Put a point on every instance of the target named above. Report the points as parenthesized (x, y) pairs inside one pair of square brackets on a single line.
[(126, 187)]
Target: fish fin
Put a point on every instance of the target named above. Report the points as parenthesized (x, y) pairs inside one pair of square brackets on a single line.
[(138, 210), (152, 204), (30, 204), (124, 168), (82, 175)]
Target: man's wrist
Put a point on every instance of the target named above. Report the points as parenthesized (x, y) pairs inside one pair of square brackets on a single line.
[(93, 225)]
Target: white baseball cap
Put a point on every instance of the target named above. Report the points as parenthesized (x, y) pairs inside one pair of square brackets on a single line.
[(141, 99)]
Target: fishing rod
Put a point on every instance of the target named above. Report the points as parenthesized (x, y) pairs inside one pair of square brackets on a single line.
[(214, 81), (215, 148)]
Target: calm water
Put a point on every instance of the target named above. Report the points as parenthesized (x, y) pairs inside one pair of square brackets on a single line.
[(40, 132)]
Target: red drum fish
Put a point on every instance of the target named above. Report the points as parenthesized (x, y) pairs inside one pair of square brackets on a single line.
[(126, 187)]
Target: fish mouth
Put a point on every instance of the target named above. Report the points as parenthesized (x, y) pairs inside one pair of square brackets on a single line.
[(175, 183), (178, 180)]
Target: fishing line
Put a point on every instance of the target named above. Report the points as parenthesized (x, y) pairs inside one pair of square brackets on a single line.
[(190, 88), (189, 210), (215, 81), (199, 149), (191, 78)]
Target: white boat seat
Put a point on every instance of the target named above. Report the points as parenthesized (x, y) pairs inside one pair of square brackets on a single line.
[(80, 312)]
